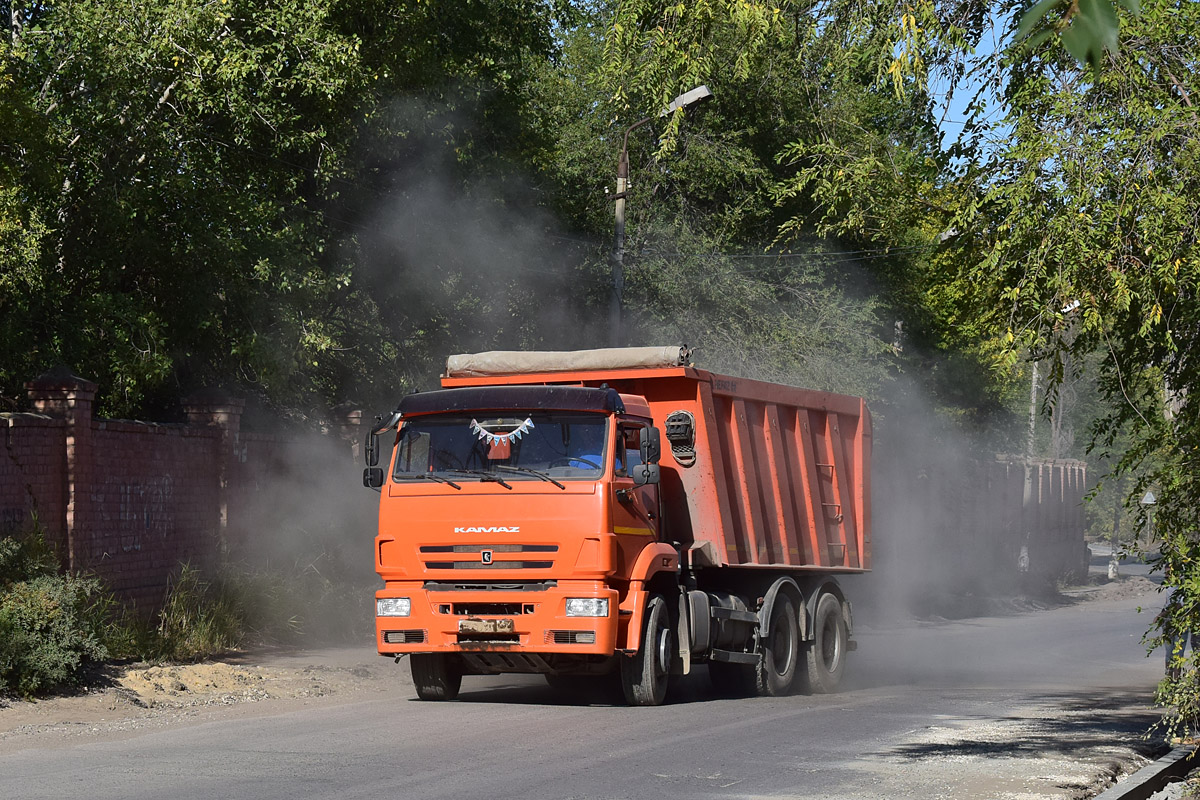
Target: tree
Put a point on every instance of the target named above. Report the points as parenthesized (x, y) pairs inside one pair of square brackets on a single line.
[(1108, 159), (190, 181), (705, 259)]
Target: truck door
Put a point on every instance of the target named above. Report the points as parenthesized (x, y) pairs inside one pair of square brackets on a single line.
[(636, 511)]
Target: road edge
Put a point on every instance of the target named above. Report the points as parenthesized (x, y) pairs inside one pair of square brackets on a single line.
[(1151, 778)]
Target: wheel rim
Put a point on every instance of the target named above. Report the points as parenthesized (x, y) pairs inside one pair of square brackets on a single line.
[(831, 650), (782, 647), (663, 651)]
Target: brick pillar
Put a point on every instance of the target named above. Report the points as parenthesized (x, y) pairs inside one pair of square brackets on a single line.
[(215, 408), (346, 422), (60, 393)]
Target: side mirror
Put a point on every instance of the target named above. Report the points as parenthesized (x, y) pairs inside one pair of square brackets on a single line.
[(650, 446), (644, 474), (373, 477), (373, 474), (371, 451)]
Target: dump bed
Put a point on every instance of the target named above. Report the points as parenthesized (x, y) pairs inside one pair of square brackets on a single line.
[(753, 474)]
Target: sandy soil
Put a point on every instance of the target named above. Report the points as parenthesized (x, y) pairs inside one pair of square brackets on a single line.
[(129, 698)]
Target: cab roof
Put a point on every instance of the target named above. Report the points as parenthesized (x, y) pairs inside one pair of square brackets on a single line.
[(514, 398)]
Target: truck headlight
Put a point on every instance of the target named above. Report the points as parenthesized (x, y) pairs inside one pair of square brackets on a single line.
[(392, 606), (587, 607)]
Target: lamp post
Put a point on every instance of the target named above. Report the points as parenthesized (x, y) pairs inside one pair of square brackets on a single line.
[(618, 254)]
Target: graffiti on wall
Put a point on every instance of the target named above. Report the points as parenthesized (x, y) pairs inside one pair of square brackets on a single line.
[(11, 520), (139, 511)]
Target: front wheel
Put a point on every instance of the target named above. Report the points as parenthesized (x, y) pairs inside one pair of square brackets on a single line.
[(827, 652), (437, 676), (644, 676)]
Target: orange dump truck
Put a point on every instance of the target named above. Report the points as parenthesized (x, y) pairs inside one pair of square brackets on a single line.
[(619, 512)]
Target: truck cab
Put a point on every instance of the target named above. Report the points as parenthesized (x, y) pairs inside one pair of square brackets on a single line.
[(518, 528)]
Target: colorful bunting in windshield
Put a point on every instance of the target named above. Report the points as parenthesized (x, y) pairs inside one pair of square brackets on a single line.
[(501, 438)]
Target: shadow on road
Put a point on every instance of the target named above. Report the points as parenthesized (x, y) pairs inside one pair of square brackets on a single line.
[(598, 691), (1075, 726)]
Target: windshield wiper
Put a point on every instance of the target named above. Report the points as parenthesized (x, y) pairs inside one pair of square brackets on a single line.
[(483, 476), (527, 470), (429, 476)]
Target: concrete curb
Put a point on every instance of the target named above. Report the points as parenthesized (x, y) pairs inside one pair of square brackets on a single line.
[(1153, 777)]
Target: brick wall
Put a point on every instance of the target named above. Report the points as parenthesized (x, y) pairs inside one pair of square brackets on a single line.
[(154, 504), (132, 501), (32, 475)]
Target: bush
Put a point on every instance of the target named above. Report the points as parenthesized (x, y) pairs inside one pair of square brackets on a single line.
[(26, 556), (242, 607), (50, 628), (304, 606), (199, 619)]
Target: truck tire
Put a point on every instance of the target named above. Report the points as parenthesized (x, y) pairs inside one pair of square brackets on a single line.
[(776, 672), (437, 676), (827, 652), (644, 676)]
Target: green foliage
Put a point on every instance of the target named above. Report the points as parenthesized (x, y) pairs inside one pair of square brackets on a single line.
[(198, 619), (51, 627), (1086, 235), (185, 184), (244, 607), (1087, 28), (26, 555), (780, 319), (710, 187)]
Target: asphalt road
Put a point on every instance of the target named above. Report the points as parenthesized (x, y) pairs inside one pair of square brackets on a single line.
[(1041, 704)]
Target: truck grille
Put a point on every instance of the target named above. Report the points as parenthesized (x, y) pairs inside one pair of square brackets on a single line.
[(486, 556), (495, 548), (492, 565), (505, 586), (404, 637), (486, 609)]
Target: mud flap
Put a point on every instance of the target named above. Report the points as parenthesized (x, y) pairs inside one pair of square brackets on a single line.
[(682, 664)]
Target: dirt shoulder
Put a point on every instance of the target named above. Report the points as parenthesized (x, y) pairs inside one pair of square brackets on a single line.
[(128, 699)]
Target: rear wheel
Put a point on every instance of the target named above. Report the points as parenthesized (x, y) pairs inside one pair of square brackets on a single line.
[(776, 673), (437, 676), (827, 653), (644, 676)]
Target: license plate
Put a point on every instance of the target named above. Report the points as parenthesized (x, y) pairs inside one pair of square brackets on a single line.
[(486, 626)]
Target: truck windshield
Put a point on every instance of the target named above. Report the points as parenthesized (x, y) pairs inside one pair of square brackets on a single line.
[(516, 446)]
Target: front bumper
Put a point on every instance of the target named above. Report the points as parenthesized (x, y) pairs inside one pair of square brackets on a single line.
[(493, 620)]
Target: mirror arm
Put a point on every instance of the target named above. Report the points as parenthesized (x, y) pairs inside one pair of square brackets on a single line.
[(392, 422), (371, 451)]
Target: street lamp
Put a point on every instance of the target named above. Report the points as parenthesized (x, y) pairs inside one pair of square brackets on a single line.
[(618, 254)]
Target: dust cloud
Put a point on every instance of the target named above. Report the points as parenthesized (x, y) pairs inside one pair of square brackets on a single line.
[(304, 525), (461, 265)]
